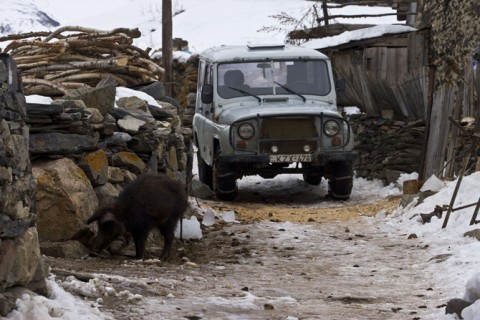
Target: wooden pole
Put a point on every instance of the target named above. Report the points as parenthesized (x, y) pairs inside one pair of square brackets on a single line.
[(428, 120), (475, 213), (455, 192), (167, 55), (325, 12)]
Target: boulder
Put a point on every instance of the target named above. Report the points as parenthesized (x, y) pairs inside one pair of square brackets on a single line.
[(60, 143), (95, 166), (20, 257), (128, 160), (106, 194), (102, 97), (133, 104), (66, 249), (65, 199), (130, 124)]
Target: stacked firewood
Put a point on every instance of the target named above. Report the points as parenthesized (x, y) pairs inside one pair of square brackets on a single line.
[(55, 63), (385, 145)]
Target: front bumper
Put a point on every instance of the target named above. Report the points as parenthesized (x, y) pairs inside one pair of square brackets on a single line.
[(318, 159)]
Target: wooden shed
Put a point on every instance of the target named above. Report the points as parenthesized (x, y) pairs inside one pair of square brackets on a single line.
[(426, 74), (384, 75)]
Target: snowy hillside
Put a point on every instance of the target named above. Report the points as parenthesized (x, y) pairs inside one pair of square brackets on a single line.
[(24, 16)]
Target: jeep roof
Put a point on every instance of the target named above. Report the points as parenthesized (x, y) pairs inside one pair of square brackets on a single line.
[(255, 52)]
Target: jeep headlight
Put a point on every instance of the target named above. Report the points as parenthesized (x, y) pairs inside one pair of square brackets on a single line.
[(331, 128), (246, 131)]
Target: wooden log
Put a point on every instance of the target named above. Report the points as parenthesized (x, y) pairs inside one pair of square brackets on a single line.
[(98, 64), (152, 66), (28, 81), (134, 33), (90, 76), (20, 36), (29, 46)]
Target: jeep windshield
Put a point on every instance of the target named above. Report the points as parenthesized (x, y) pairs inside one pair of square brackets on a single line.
[(276, 77)]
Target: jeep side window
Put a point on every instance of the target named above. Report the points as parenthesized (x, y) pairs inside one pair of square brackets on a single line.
[(201, 78), (205, 87)]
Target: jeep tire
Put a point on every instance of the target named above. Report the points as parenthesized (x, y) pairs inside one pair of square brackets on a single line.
[(341, 182), (224, 180), (205, 174)]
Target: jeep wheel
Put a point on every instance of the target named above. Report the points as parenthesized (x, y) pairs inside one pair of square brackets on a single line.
[(224, 180), (340, 184), (312, 178), (204, 171)]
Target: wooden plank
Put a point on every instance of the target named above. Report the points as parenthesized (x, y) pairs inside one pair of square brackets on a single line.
[(383, 63), (409, 95), (326, 31), (371, 42), (452, 138), (367, 97), (439, 130)]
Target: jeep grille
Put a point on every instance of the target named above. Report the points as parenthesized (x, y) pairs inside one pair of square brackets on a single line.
[(288, 134)]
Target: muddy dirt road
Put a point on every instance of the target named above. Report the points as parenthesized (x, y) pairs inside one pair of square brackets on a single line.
[(283, 259)]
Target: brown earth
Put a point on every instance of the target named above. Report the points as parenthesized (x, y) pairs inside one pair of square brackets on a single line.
[(281, 260)]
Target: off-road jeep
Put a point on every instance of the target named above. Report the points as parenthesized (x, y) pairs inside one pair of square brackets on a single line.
[(269, 110)]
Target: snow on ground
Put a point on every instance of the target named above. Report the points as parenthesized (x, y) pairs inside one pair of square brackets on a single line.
[(452, 274), (60, 305)]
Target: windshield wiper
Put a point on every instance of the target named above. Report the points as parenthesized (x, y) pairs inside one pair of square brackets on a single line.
[(291, 91), (246, 93)]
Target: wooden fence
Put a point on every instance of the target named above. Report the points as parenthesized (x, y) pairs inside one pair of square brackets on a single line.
[(443, 137)]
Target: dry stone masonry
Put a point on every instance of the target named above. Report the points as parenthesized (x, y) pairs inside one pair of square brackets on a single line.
[(450, 21), (85, 150), (60, 162), (20, 260)]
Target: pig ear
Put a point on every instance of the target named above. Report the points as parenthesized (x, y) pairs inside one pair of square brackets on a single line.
[(98, 215)]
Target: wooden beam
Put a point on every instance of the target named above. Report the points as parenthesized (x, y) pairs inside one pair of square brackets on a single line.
[(326, 31), (357, 16)]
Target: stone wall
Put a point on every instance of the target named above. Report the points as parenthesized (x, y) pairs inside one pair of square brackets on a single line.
[(455, 35), (20, 260), (387, 148), (84, 151), (62, 161)]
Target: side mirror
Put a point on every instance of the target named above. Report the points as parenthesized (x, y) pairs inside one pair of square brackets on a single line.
[(340, 85), (207, 93)]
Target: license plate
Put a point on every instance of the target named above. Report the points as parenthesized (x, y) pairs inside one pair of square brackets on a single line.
[(290, 158)]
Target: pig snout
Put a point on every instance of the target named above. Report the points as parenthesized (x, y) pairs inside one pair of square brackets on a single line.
[(109, 229)]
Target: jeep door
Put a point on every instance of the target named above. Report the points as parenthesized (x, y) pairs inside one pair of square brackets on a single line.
[(202, 122)]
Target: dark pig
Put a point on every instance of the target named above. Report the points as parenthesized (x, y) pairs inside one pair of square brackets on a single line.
[(151, 201)]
